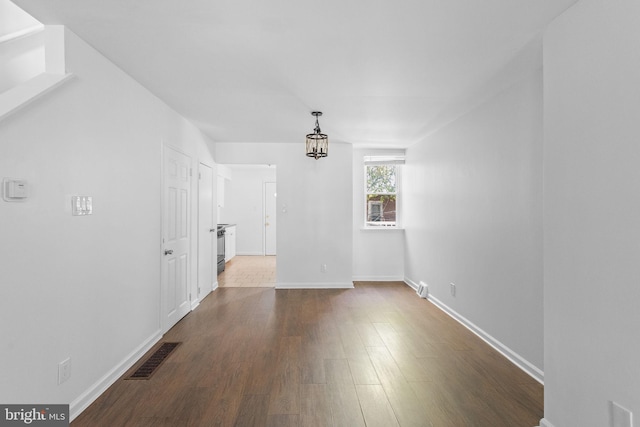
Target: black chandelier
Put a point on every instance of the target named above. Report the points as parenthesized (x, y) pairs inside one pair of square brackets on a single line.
[(317, 142)]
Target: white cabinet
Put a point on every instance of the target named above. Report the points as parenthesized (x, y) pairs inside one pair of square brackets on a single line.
[(229, 243)]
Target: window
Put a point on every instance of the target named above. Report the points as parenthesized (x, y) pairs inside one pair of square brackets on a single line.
[(381, 191)]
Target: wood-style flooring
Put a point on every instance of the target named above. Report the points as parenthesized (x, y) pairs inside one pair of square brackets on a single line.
[(375, 355)]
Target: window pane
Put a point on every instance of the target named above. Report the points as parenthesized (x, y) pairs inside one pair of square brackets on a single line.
[(381, 179), (381, 208)]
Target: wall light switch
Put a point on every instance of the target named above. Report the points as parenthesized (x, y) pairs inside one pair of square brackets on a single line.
[(81, 205)]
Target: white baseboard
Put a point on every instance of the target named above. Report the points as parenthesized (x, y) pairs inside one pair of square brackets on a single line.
[(378, 278), (533, 371), (514, 357), (331, 285), (194, 304), (90, 395), (250, 253), (545, 423), (215, 286), (411, 283)]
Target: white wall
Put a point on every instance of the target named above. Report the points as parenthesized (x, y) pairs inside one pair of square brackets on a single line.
[(83, 287), (244, 199), (314, 205), (473, 217), (592, 212), (378, 254)]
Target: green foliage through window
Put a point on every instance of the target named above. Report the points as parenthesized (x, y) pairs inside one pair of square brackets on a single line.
[(381, 179), (381, 194)]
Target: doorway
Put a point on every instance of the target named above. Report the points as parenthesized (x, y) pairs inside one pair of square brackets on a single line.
[(248, 208)]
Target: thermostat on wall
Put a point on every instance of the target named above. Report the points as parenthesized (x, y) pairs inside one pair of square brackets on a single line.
[(14, 190)]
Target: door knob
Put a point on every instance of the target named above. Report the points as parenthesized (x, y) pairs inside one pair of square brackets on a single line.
[(168, 252)]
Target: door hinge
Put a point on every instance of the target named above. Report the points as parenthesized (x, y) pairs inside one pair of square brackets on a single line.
[(199, 175), (189, 296), (190, 171)]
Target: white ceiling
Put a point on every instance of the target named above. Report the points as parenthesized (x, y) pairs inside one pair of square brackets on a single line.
[(385, 73)]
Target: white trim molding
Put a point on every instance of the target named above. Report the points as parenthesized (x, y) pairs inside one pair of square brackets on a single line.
[(533, 371), (92, 393), (545, 423), (25, 32), (411, 283), (17, 97), (331, 285), (378, 279)]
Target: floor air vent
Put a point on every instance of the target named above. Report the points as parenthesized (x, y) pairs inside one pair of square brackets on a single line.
[(152, 363)]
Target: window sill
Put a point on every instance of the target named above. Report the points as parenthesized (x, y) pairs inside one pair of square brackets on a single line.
[(381, 228)]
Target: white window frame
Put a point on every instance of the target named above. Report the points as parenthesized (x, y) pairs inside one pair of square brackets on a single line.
[(381, 161)]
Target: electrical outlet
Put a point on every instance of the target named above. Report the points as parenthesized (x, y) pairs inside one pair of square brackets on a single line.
[(64, 370), (620, 417), (323, 268), (452, 288)]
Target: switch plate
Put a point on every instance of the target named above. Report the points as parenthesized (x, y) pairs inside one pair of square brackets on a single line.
[(620, 417), (323, 268), (81, 205), (64, 370), (452, 287)]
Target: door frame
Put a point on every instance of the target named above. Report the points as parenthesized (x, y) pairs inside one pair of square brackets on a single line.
[(209, 286), (264, 214)]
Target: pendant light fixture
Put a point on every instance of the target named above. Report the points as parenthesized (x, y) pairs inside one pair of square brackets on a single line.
[(317, 142)]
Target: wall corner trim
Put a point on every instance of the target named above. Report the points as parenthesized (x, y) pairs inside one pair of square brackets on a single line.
[(533, 371), (83, 401)]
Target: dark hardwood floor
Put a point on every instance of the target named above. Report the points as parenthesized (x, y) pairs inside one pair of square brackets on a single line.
[(376, 355)]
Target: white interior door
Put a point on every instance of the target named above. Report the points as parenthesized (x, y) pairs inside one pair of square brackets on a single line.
[(176, 237), (206, 231), (270, 218)]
